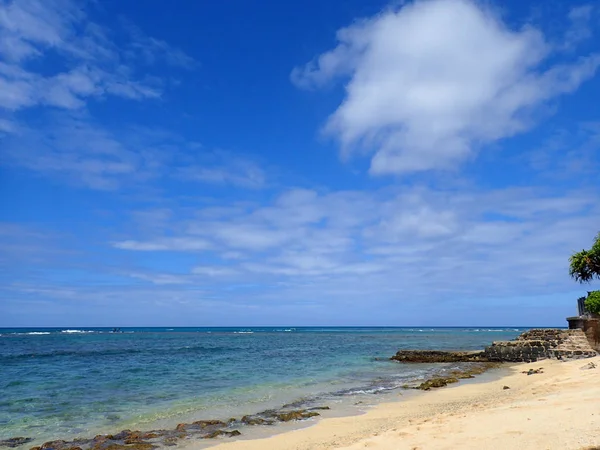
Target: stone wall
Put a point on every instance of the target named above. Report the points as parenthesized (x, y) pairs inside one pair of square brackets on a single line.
[(591, 328), (537, 344)]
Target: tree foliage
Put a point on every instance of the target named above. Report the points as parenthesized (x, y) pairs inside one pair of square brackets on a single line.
[(585, 265), (592, 303)]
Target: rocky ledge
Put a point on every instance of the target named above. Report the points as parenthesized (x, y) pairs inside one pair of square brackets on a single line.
[(533, 345), (438, 356)]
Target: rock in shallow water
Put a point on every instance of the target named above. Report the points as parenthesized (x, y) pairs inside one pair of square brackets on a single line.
[(15, 441), (295, 415), (437, 356), (218, 433)]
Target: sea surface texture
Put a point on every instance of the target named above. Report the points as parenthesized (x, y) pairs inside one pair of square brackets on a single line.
[(66, 383)]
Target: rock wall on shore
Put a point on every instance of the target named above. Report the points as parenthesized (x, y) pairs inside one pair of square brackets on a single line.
[(530, 346), (537, 344)]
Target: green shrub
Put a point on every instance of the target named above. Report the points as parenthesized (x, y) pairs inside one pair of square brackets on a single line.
[(592, 303)]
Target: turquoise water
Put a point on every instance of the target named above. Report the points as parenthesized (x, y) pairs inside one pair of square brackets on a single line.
[(61, 383)]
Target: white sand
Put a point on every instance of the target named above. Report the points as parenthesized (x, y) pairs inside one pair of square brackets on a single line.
[(558, 409)]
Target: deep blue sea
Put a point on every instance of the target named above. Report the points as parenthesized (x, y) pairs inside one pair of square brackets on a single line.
[(64, 383)]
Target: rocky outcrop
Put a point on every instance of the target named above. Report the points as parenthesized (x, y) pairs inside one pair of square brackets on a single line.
[(537, 344), (436, 383), (532, 345), (438, 356), (149, 440)]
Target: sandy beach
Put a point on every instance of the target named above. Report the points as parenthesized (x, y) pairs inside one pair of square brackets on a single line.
[(556, 409)]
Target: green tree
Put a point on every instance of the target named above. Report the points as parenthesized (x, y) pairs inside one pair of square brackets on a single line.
[(585, 265), (592, 303)]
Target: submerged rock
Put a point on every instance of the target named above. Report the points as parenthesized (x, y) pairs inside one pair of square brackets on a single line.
[(15, 441), (202, 429)]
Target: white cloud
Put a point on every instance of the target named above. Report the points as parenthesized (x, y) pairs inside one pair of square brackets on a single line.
[(432, 81)]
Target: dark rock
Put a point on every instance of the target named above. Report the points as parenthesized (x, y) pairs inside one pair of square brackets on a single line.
[(15, 441), (150, 435), (295, 415), (55, 445), (436, 383), (505, 387), (136, 446), (319, 408), (254, 420), (170, 441), (125, 434), (533, 371), (218, 433), (181, 426), (207, 423), (463, 375), (437, 356)]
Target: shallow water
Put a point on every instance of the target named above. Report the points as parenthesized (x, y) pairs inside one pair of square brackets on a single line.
[(64, 383)]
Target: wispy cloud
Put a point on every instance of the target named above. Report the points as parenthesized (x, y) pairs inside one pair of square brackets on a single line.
[(321, 251), (95, 66), (430, 82), (154, 51), (180, 244), (81, 152), (223, 168), (581, 27), (404, 241)]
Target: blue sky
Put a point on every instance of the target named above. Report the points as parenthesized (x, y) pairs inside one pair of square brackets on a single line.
[(330, 163)]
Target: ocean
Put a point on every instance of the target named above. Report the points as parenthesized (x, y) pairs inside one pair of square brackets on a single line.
[(59, 383)]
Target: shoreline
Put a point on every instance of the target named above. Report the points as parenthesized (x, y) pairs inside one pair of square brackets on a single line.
[(556, 409), (300, 414)]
